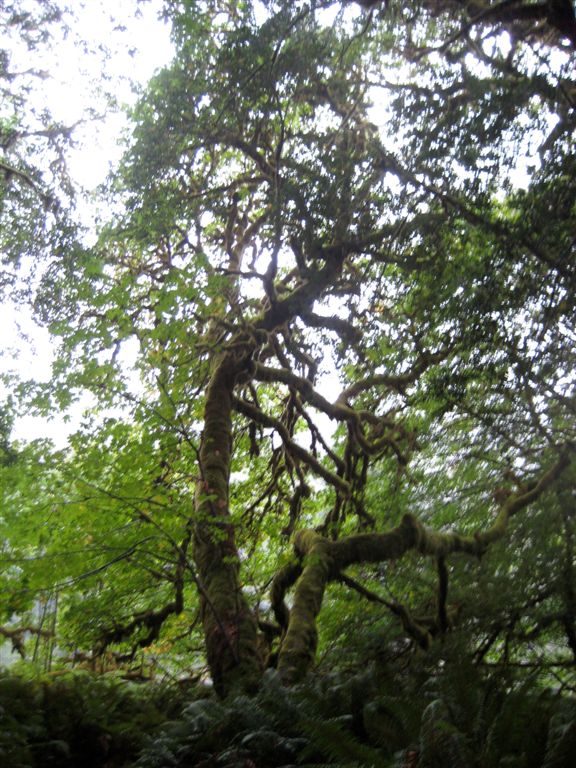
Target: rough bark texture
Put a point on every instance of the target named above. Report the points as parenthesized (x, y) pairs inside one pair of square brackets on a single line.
[(299, 645), (322, 561)]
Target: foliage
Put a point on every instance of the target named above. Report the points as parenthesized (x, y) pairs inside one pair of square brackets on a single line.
[(373, 718), (72, 720), (328, 336), (35, 188), (376, 716)]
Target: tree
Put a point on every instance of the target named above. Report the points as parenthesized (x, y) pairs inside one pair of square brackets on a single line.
[(35, 195), (35, 189), (310, 205), (552, 22)]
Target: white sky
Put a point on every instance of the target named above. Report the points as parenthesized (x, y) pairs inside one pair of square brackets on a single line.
[(137, 43)]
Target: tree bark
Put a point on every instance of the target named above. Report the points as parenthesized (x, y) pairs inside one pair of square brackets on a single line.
[(229, 625)]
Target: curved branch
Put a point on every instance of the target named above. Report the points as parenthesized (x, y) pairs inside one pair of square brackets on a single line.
[(399, 382), (10, 170), (339, 410), (414, 628), (324, 560), (283, 580), (151, 620), (338, 325)]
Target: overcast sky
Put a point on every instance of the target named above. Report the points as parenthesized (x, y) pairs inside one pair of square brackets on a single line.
[(137, 43)]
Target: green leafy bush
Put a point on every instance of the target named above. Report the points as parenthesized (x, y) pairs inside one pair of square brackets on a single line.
[(76, 719)]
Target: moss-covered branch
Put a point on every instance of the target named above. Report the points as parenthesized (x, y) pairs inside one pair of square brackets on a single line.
[(323, 560), (17, 636), (299, 644), (283, 580), (150, 621), (229, 626)]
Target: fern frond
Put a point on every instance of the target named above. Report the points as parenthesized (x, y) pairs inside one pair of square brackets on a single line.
[(334, 740)]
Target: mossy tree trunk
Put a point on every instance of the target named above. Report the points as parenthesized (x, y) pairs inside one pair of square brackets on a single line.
[(230, 629), (229, 626)]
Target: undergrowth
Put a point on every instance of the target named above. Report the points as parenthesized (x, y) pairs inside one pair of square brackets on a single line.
[(453, 718), (449, 717), (75, 720)]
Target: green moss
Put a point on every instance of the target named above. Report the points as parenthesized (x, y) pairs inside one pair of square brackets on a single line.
[(229, 627), (299, 646)]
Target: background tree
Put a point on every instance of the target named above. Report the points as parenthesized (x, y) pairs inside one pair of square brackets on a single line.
[(35, 189)]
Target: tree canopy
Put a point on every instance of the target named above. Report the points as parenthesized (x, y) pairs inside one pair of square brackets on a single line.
[(328, 337), (35, 192)]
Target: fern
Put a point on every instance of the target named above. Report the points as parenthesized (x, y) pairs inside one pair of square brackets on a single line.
[(520, 726), (363, 721), (442, 744), (21, 722), (561, 742), (390, 722), (76, 719), (334, 740)]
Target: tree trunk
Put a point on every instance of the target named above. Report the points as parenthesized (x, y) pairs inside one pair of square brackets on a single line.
[(229, 626)]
